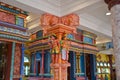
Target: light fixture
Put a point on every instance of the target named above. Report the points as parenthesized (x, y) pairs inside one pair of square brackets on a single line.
[(108, 13)]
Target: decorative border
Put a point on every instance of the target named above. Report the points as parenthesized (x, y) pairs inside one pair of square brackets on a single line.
[(13, 37), (12, 9), (12, 26), (11, 30)]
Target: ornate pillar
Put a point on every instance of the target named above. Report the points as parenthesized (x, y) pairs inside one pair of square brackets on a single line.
[(56, 28), (17, 60), (114, 7)]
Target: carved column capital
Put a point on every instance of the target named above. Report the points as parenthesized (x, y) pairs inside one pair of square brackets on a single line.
[(112, 3), (51, 20)]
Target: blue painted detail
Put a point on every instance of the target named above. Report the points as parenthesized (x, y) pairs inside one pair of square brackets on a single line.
[(22, 61), (73, 65), (13, 37), (39, 34), (32, 63), (88, 40), (47, 60), (109, 45), (19, 21), (9, 9), (38, 58), (11, 30), (82, 63), (70, 36), (93, 66), (12, 10), (12, 61), (13, 26)]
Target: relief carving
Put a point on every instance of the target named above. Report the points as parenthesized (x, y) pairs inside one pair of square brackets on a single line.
[(70, 20), (51, 20)]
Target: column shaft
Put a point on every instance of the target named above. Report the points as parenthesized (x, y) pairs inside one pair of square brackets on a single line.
[(82, 63), (116, 36)]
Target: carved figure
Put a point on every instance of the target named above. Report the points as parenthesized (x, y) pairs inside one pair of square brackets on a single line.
[(64, 47), (55, 48)]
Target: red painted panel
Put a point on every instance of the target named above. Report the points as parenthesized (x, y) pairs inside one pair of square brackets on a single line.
[(6, 17), (17, 60)]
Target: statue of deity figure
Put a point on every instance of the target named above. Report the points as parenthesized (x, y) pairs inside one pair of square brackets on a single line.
[(54, 48), (64, 48)]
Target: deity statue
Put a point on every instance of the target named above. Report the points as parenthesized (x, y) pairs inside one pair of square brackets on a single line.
[(64, 47), (55, 48)]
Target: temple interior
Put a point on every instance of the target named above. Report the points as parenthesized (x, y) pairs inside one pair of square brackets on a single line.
[(59, 40)]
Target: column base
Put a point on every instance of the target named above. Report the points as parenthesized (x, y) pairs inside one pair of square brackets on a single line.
[(60, 70)]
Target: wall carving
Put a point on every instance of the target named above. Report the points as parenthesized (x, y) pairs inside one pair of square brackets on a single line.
[(51, 20)]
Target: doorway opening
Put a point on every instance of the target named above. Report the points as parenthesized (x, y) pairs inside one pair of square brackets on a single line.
[(3, 60), (88, 67)]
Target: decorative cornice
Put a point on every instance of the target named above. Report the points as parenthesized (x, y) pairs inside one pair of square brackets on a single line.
[(15, 32), (112, 3), (12, 26), (13, 37), (52, 20), (12, 9)]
